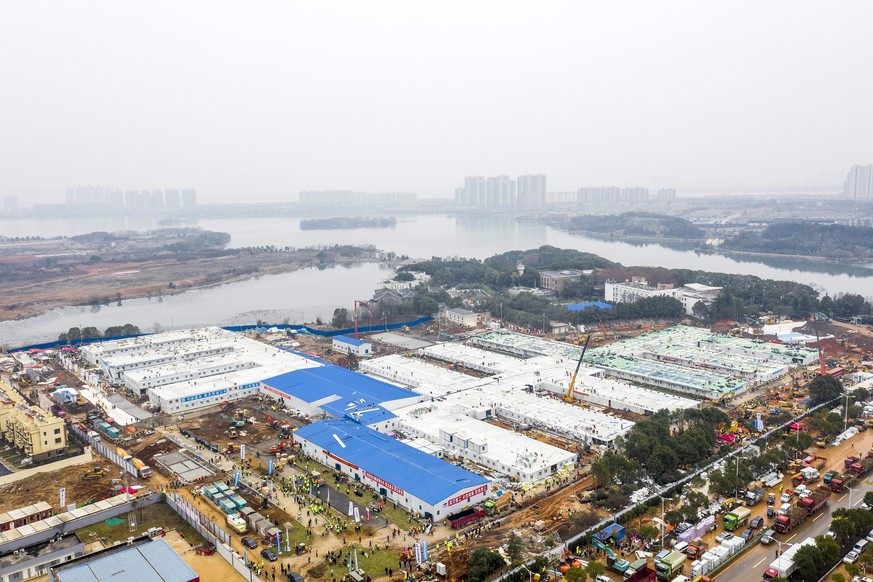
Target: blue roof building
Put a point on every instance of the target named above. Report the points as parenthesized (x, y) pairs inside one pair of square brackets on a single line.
[(341, 393), (420, 482), (350, 345)]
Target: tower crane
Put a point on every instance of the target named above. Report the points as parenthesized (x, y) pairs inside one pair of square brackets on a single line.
[(568, 397)]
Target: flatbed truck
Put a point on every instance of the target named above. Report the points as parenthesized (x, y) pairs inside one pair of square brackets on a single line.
[(786, 523), (815, 500), (736, 518)]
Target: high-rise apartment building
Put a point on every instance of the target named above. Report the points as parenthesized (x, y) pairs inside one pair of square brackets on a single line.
[(859, 183), (173, 199), (532, 191), (10, 203), (189, 198)]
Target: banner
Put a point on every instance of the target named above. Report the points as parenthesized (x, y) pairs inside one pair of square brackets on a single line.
[(351, 510), (357, 515), (242, 452), (424, 550), (236, 479), (63, 502), (270, 467), (417, 547)]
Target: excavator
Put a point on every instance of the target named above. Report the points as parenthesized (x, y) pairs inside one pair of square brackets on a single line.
[(568, 397), (95, 473)]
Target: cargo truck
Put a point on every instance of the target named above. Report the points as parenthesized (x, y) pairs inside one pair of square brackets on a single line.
[(461, 519), (837, 484), (754, 496), (784, 566), (815, 500), (493, 506), (786, 523), (123, 454), (736, 518), (644, 575), (669, 566), (862, 467), (143, 470)]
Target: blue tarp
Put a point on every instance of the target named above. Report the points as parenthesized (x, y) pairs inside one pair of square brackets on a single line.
[(595, 304), (295, 328), (612, 532)]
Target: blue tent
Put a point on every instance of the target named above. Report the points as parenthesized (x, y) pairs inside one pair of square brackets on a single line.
[(613, 531)]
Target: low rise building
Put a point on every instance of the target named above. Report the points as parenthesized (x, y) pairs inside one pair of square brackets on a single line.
[(351, 346), (635, 289), (427, 486), (140, 559), (38, 434), (691, 293), (36, 560), (462, 317), (557, 280)]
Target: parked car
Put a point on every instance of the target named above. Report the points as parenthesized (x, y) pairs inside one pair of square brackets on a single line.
[(249, 543), (786, 497), (870, 536), (271, 556), (767, 537), (862, 579), (851, 557), (184, 432), (756, 522), (723, 536), (747, 534)]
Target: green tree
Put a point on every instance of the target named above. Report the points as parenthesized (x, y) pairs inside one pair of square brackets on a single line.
[(868, 498), (808, 560), (838, 577), (90, 332), (404, 276), (483, 563), (824, 388), (576, 575), (513, 548), (595, 569), (340, 318), (74, 334)]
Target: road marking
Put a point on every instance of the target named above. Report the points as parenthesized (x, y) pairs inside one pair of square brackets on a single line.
[(791, 538), (764, 559), (817, 516), (841, 498), (858, 502)]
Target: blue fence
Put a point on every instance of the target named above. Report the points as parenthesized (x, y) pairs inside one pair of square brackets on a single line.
[(301, 329)]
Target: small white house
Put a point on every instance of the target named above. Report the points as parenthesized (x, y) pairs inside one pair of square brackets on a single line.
[(462, 317), (349, 345)]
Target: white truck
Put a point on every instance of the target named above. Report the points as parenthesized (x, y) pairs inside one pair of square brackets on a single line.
[(784, 566)]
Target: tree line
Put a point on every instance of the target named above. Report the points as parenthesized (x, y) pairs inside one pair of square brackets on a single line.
[(75, 334)]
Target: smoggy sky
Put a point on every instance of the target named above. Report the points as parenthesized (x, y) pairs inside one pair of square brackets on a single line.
[(257, 100)]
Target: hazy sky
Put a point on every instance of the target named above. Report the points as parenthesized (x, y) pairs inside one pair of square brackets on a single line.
[(252, 100)]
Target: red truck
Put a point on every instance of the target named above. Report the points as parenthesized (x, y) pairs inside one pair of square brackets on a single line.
[(786, 523), (836, 484), (815, 500), (646, 574), (459, 520), (861, 467)]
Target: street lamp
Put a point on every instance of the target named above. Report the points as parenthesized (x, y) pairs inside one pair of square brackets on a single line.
[(850, 495), (846, 418), (663, 532), (529, 573)]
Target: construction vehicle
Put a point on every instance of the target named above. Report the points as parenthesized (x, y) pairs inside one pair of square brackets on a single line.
[(828, 476), (80, 400), (837, 484), (861, 467), (232, 448), (142, 470), (736, 518), (271, 421), (695, 550), (613, 562), (493, 506), (95, 473), (784, 566), (125, 456), (568, 560), (669, 565), (231, 433), (569, 397), (281, 447)]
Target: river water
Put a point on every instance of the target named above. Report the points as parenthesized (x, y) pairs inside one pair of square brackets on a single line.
[(305, 295)]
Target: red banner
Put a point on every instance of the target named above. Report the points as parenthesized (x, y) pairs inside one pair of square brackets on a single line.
[(467, 495), (383, 483), (343, 461)]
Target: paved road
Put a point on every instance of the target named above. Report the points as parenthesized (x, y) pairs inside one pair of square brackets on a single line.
[(753, 563)]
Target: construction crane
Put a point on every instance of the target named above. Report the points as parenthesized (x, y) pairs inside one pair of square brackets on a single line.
[(821, 363), (568, 397)]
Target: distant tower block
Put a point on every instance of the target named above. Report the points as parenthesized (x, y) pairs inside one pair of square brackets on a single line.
[(519, 266)]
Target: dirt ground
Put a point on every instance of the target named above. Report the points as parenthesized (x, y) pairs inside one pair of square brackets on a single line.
[(46, 486), (212, 567)]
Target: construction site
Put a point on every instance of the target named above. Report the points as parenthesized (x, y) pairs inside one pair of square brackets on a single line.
[(521, 418)]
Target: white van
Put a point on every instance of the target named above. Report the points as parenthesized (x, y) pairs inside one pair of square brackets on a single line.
[(602, 578), (859, 547), (680, 547)]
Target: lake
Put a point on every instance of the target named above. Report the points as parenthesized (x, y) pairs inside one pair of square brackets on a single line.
[(307, 294)]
